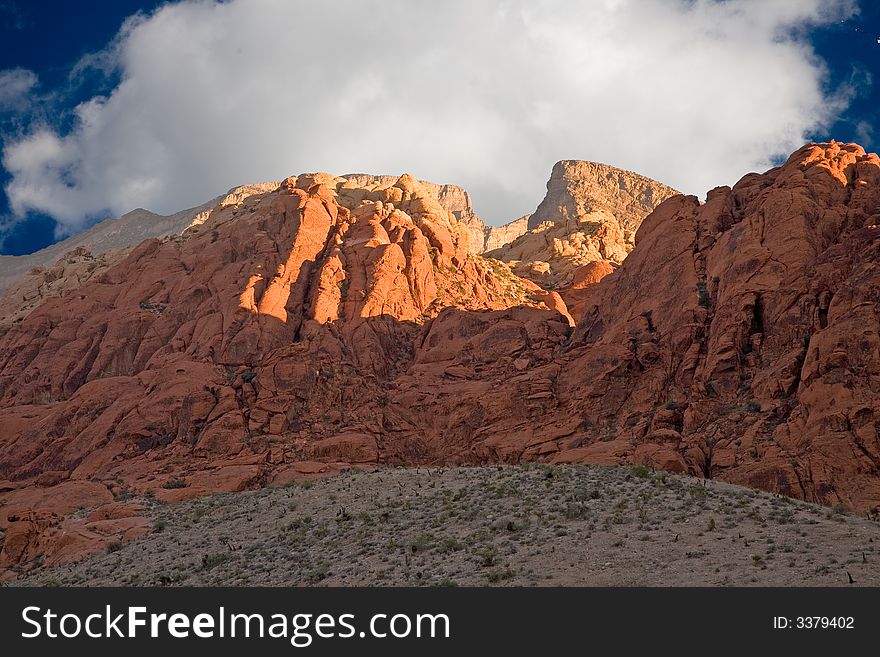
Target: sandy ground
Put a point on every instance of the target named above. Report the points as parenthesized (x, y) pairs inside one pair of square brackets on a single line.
[(514, 525)]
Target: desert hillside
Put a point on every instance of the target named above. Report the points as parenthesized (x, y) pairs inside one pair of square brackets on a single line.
[(504, 526)]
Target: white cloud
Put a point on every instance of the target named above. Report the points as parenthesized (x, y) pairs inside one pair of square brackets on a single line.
[(865, 133), (486, 94), (15, 87)]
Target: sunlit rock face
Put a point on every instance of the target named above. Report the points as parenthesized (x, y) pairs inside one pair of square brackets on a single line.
[(590, 214)]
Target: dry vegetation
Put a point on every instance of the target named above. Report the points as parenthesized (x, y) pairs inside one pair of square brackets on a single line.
[(522, 525)]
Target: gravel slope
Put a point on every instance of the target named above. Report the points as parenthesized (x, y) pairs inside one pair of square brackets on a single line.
[(512, 525)]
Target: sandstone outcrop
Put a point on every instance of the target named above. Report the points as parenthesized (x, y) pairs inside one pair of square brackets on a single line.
[(69, 273), (324, 326), (494, 237), (27, 281), (456, 201), (590, 214), (259, 341), (748, 348)]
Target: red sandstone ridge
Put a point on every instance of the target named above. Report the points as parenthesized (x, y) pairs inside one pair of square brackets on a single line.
[(254, 348), (740, 339), (324, 325)]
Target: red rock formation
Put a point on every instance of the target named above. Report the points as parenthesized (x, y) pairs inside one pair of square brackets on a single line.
[(324, 326), (259, 341), (741, 336), (27, 281), (457, 202)]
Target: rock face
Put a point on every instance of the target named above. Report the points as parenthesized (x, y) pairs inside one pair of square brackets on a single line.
[(40, 284), (258, 346), (457, 201), (451, 198), (107, 236), (576, 188), (590, 214), (497, 236), (327, 325), (740, 339), (27, 281)]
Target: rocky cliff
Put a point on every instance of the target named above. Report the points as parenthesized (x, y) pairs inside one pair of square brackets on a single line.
[(27, 281), (326, 325), (259, 346), (494, 237), (452, 198), (739, 340), (590, 214)]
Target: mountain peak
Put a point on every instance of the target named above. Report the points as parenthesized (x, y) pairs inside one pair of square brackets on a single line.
[(579, 187)]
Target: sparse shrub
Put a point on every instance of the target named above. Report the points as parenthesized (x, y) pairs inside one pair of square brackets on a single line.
[(210, 561), (421, 543), (450, 544), (174, 483), (697, 492), (319, 572), (577, 511), (641, 471), (446, 582), (248, 375), (487, 555), (582, 494), (702, 294), (299, 523), (498, 575)]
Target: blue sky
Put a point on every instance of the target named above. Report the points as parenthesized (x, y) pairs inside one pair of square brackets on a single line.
[(458, 125), (49, 38)]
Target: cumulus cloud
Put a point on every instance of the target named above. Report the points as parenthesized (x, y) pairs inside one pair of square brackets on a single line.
[(15, 88), (486, 94)]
